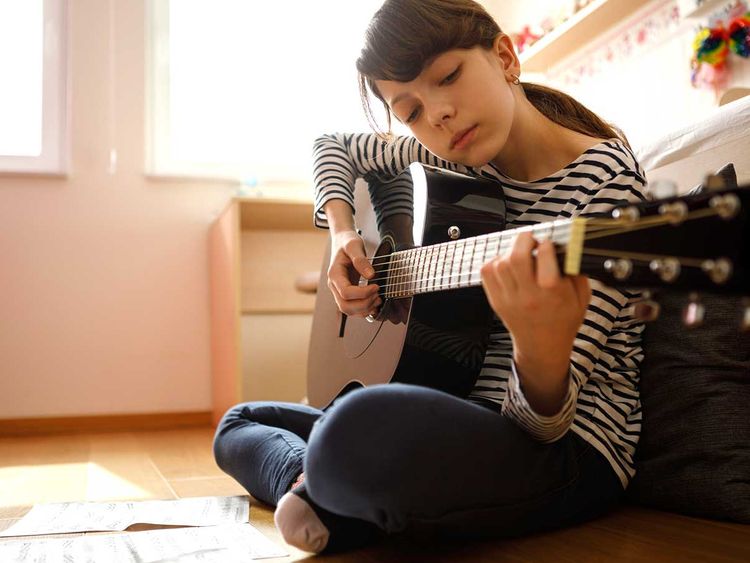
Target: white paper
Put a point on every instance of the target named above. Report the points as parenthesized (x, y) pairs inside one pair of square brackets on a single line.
[(229, 543), (67, 517)]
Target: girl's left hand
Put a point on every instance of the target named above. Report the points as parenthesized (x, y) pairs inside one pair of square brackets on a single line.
[(541, 309)]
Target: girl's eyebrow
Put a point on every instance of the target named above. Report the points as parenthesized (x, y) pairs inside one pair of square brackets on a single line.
[(403, 95), (398, 98)]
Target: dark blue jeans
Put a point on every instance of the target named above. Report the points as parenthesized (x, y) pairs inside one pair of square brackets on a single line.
[(411, 458)]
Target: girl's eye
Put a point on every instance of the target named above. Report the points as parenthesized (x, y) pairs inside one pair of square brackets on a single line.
[(451, 77), (412, 116)]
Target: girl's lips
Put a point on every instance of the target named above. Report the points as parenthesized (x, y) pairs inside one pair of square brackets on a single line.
[(465, 139)]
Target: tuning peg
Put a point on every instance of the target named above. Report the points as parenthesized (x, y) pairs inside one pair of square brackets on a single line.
[(745, 322), (719, 270), (662, 189), (714, 182), (668, 269), (675, 212), (647, 310), (694, 312), (629, 214), (620, 268), (727, 205)]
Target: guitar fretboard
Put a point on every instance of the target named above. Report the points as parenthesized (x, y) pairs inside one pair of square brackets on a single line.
[(457, 264)]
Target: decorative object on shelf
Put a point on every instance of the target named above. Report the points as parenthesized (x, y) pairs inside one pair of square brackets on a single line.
[(710, 46), (529, 34), (739, 35), (525, 39), (709, 65)]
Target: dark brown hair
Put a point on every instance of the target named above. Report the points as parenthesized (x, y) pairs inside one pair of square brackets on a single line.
[(405, 35)]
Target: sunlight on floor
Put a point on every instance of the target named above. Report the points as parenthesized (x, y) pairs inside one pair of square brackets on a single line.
[(61, 482)]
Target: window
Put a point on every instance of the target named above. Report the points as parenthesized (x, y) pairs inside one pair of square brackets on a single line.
[(241, 89), (33, 98)]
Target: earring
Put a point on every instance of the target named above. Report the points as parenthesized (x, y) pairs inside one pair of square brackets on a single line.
[(516, 79)]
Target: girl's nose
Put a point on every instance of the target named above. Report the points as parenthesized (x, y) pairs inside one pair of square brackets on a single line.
[(440, 113)]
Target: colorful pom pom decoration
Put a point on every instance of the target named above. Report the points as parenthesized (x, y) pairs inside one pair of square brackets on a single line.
[(739, 35), (710, 46)]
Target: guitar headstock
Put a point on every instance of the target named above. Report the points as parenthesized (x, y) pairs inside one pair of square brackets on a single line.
[(697, 242)]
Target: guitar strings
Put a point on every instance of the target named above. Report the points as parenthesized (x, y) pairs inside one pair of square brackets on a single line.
[(607, 227), (407, 263), (407, 292), (504, 239), (423, 284)]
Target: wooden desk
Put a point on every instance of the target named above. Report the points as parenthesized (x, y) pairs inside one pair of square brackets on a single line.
[(260, 325)]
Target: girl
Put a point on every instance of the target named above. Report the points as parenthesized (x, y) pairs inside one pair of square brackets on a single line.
[(548, 434)]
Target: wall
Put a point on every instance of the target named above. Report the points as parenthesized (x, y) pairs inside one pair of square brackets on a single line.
[(103, 277), (636, 74)]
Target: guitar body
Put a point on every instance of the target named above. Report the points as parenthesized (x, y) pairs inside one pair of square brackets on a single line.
[(434, 339)]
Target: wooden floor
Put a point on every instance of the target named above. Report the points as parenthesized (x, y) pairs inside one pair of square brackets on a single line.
[(178, 463)]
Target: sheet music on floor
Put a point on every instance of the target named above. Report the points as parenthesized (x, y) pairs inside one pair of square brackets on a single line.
[(67, 517), (229, 543)]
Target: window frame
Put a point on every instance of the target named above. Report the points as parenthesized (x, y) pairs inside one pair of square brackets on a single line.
[(54, 157)]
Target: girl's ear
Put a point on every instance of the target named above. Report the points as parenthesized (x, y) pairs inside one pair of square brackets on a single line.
[(503, 50)]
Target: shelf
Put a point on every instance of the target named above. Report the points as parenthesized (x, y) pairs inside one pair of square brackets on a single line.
[(705, 9), (576, 32), (260, 214)]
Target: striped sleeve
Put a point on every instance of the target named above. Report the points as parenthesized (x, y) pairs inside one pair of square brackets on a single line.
[(340, 158), (608, 342)]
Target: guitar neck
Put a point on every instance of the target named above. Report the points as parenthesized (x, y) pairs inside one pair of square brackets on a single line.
[(457, 264), (696, 242)]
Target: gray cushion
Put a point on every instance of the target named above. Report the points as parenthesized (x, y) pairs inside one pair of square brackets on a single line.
[(694, 452)]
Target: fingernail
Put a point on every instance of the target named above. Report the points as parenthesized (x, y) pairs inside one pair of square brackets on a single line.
[(369, 271)]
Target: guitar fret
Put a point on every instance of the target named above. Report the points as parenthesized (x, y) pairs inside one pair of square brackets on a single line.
[(450, 264), (461, 263), (417, 269), (431, 270), (471, 261), (405, 285), (414, 271), (477, 272), (402, 274), (457, 265), (407, 274), (451, 272), (438, 262), (443, 259)]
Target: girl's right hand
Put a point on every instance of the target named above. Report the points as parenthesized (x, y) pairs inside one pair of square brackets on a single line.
[(348, 264)]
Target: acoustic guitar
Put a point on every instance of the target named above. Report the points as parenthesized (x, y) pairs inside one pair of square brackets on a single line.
[(433, 326)]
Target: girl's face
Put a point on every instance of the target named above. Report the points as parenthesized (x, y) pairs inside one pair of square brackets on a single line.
[(461, 106)]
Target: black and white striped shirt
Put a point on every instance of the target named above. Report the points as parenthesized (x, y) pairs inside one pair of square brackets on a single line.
[(602, 404)]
